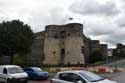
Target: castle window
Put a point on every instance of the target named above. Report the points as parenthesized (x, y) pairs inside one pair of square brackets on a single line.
[(63, 43), (56, 35), (54, 52), (82, 49), (68, 34), (67, 52), (62, 51)]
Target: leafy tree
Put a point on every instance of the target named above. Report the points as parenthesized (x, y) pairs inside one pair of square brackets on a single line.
[(96, 56), (19, 60), (15, 38)]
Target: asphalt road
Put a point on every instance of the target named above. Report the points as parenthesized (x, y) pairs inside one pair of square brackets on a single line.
[(119, 77), (45, 81)]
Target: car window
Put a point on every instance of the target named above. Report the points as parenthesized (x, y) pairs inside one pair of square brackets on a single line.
[(35, 69), (27, 69), (76, 78), (71, 77), (13, 70), (65, 77), (91, 76)]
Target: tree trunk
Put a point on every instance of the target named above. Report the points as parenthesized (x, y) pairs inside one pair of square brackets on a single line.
[(11, 59)]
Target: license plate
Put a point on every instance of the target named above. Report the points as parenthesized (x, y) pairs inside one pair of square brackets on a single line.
[(22, 79)]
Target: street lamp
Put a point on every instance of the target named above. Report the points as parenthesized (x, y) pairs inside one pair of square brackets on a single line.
[(116, 65)]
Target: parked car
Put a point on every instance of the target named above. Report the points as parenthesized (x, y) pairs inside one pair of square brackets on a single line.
[(79, 76), (12, 74), (36, 73)]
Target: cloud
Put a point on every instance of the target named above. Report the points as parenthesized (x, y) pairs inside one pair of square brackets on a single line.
[(98, 17), (99, 26), (55, 16), (121, 21), (93, 7), (37, 13), (104, 29)]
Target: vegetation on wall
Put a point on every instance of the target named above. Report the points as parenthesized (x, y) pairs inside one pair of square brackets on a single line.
[(42, 56), (96, 56), (19, 60)]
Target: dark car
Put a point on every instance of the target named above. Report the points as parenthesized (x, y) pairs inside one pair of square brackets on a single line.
[(36, 73)]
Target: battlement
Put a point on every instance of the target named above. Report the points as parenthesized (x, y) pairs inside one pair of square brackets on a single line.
[(68, 30)]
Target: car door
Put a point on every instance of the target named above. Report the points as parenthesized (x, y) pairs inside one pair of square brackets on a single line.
[(76, 78), (29, 72), (3, 75)]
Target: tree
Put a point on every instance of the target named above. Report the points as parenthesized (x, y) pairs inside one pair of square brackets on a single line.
[(15, 38), (96, 56)]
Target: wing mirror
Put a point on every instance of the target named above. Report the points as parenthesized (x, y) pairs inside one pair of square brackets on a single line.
[(79, 82)]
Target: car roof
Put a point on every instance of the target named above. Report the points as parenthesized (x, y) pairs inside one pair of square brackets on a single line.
[(8, 66), (73, 71), (31, 67)]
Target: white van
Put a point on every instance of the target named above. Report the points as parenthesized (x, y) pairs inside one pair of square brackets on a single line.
[(12, 74)]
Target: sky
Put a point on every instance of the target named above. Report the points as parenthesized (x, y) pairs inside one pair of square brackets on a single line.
[(103, 20)]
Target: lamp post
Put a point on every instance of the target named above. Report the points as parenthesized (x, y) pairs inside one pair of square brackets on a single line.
[(116, 65)]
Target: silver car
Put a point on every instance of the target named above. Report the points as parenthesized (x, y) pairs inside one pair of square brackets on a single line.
[(79, 76)]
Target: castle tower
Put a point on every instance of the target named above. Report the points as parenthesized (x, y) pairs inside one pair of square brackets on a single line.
[(74, 44), (64, 44)]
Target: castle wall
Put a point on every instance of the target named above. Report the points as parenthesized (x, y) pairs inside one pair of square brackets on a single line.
[(51, 51), (74, 53)]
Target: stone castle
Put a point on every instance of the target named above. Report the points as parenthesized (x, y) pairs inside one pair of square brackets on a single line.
[(61, 45)]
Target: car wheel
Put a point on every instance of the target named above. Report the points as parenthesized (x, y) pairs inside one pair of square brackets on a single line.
[(45, 78), (34, 78), (8, 81), (26, 82)]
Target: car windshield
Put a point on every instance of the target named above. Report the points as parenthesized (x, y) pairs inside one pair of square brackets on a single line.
[(14, 70), (91, 76), (36, 69)]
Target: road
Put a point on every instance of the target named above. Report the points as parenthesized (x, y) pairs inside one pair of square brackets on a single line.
[(47, 81), (119, 77)]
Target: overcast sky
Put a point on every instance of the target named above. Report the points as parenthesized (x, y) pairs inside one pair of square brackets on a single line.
[(103, 20)]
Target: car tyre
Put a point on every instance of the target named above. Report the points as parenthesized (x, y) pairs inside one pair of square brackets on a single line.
[(26, 81), (8, 81)]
